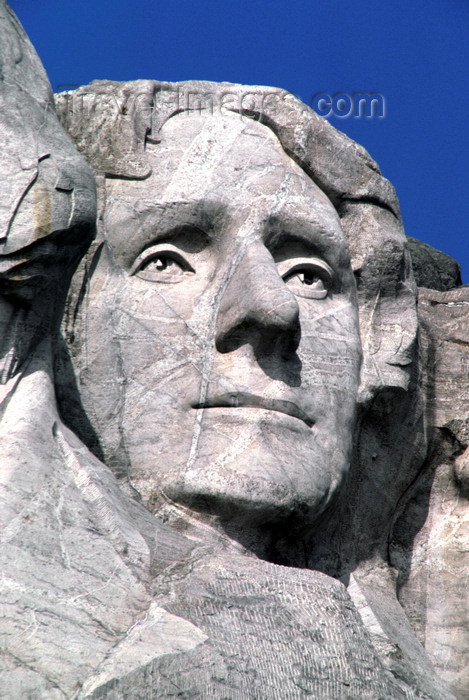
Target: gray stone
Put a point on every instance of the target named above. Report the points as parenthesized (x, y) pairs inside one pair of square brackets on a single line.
[(432, 268), (429, 545), (47, 205), (214, 414)]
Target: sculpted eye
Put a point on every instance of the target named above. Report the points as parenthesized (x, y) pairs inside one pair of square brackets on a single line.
[(311, 279), (166, 265)]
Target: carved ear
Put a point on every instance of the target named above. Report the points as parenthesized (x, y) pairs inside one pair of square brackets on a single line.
[(387, 297)]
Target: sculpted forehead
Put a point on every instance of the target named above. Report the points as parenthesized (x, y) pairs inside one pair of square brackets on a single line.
[(202, 157), (211, 142), (198, 156), (230, 168)]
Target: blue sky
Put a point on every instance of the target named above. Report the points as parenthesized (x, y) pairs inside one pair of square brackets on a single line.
[(415, 53)]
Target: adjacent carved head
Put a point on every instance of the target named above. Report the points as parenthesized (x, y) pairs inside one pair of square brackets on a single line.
[(48, 203)]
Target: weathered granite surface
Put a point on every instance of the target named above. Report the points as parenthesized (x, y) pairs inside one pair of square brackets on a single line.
[(232, 455), (432, 268), (430, 541)]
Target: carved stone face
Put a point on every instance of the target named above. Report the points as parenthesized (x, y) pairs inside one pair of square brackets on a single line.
[(222, 345)]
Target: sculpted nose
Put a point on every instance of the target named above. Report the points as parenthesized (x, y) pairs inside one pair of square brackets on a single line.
[(257, 307)]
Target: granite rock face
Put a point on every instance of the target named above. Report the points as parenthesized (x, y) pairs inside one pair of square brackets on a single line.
[(430, 546), (432, 268), (202, 493)]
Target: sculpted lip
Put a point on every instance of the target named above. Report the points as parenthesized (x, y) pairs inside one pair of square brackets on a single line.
[(245, 399)]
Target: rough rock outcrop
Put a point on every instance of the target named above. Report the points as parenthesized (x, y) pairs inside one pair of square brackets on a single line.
[(432, 268)]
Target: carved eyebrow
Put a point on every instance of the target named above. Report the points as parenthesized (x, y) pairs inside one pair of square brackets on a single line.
[(311, 236), (186, 224), (173, 214), (187, 237)]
